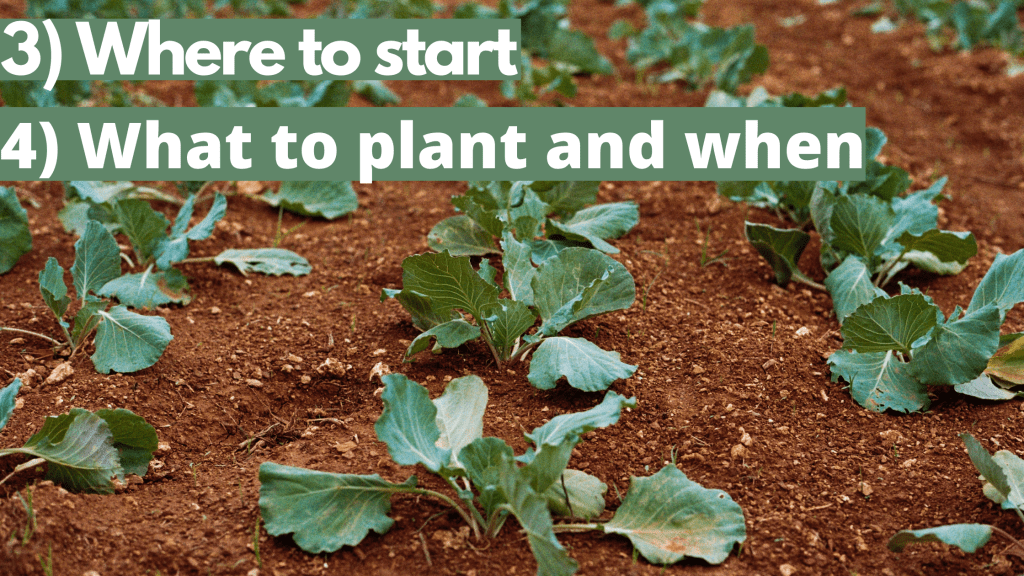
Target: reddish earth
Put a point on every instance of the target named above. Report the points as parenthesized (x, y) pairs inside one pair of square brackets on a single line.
[(823, 486)]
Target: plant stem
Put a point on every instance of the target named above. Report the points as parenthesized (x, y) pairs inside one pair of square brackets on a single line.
[(30, 333), (154, 194), (805, 280), (885, 271), (1007, 535), (522, 351), (197, 260), (486, 333), (465, 516), (577, 527), (25, 466)]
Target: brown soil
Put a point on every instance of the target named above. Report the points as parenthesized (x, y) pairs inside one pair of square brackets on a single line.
[(823, 486)]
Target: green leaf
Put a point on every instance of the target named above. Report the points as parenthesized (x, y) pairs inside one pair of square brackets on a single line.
[(98, 192), (597, 223), (134, 438), (408, 425), (451, 334), (579, 283), (7, 394), (469, 101), (889, 324), (531, 510), (449, 283), (330, 199), (982, 387), (420, 308), (958, 350), (127, 342), (97, 259), (542, 250), (850, 287), (149, 290), (460, 414), (988, 467), (939, 251), (567, 198), (143, 226), (586, 366), (860, 224), (1003, 284), (1008, 363), (669, 517), (86, 319), (174, 247), (519, 272), (967, 537), (507, 321), (585, 495), (1013, 469), (879, 381), (272, 261), (79, 451), (484, 462), (15, 238), (53, 288), (376, 92), (569, 427), (781, 248), (461, 236), (325, 511)]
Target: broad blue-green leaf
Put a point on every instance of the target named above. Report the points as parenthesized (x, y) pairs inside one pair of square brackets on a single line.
[(7, 394), (567, 198), (15, 238), (1012, 468), (585, 365), (74, 216), (879, 381), (408, 425), (983, 388), (484, 461), (98, 192), (860, 223), (272, 261), (143, 226), (967, 537), (449, 282), (488, 272), (460, 414), (461, 236), (79, 450), (325, 511), (579, 283), (850, 287), (507, 321), (420, 308), (958, 350), (916, 213), (149, 290), (53, 288), (1003, 284), (376, 92), (571, 426), (469, 101), (134, 438), (669, 517), (889, 324), (585, 495), (541, 250), (760, 194), (992, 472), (781, 248), (1008, 363), (597, 223), (519, 272), (327, 199), (531, 510), (127, 342), (174, 247), (97, 259), (939, 251), (451, 334)]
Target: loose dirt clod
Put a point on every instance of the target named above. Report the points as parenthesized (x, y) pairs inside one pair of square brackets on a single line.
[(62, 372)]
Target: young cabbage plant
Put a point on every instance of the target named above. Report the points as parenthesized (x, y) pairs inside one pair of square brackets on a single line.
[(15, 238), (159, 244), (894, 347), (1003, 475), (666, 516), (82, 450), (125, 341)]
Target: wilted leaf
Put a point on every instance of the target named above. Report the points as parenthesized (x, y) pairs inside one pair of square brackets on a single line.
[(967, 537), (127, 342), (669, 517), (585, 365), (134, 438), (325, 511), (1008, 363), (272, 261)]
